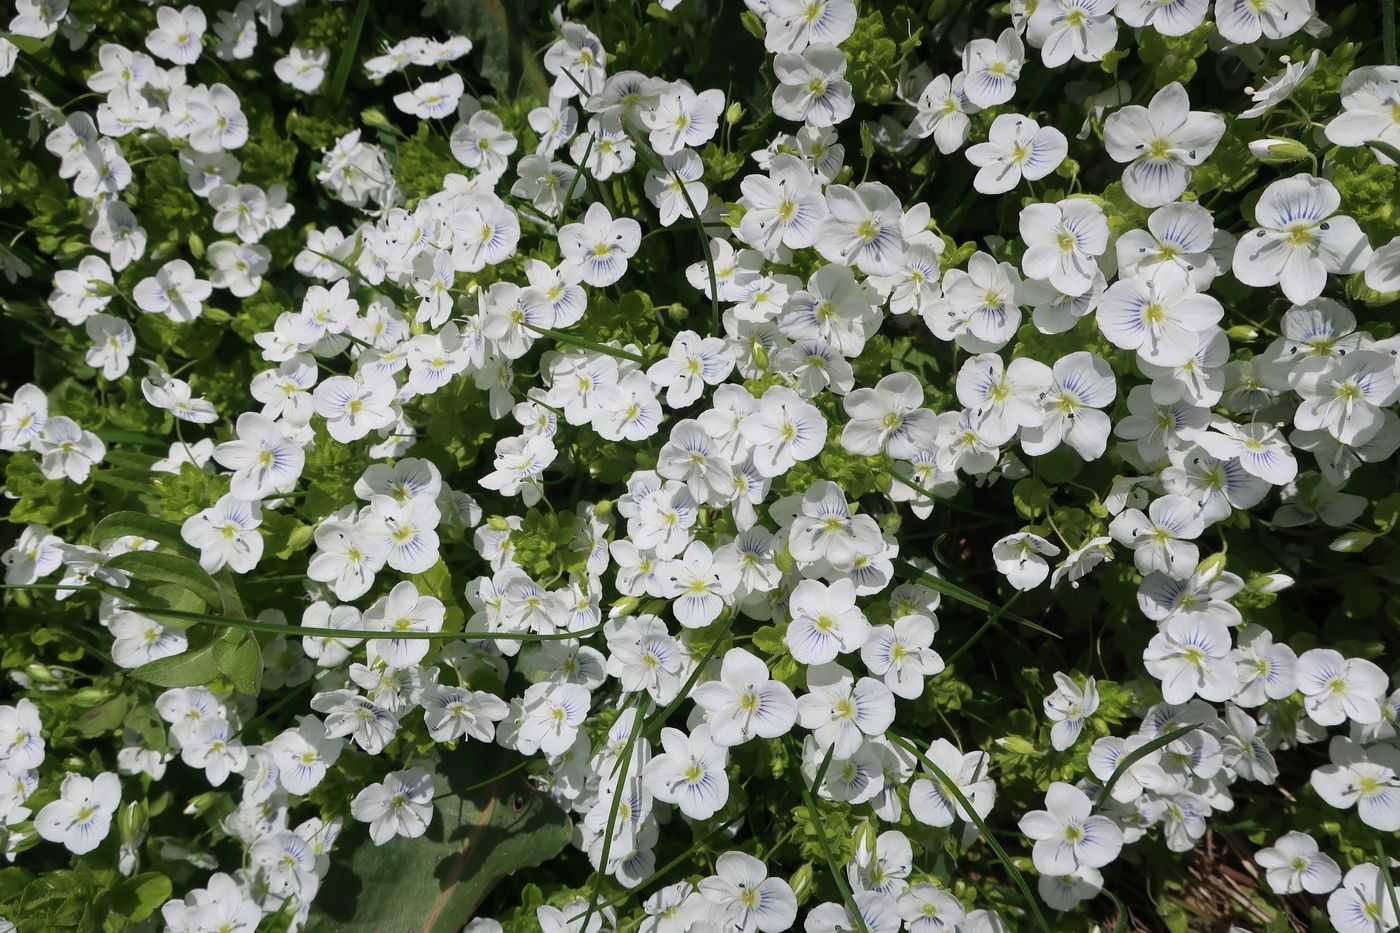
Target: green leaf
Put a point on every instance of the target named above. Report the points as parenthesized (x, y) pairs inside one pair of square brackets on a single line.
[(141, 525), (191, 668), (239, 658), (476, 838), (106, 717), (158, 567), (136, 898)]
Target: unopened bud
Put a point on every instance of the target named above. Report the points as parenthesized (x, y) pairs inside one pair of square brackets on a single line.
[(131, 820), (801, 882), (1242, 333), (1212, 567), (734, 113), (1275, 151)]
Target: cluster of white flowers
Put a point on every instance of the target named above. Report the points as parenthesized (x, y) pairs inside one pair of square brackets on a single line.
[(393, 314)]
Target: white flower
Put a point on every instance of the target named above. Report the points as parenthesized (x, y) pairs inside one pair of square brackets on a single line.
[(1190, 656), (792, 25), (927, 908), (451, 713), (888, 419), (600, 246), (1017, 147), (1300, 239), (35, 555), (1162, 540), (744, 702), (863, 229), (1065, 29), (1370, 97), (786, 207), (825, 621), (21, 737), (1244, 22), (811, 86), (1345, 395), (932, 802), (903, 654), (690, 773), (1084, 383), (1277, 89), (747, 898), (174, 291), (403, 610), (400, 805), (943, 109), (1020, 557), (81, 817), (66, 450), (1363, 904), (348, 557), (980, 310), (842, 711), (553, 714), (784, 430), (263, 460), (990, 68), (178, 35), (1066, 836), (1365, 777), (304, 754), (1168, 17), (1293, 864), (1260, 448), (1062, 243), (692, 363), (22, 420), (1162, 141), (1180, 235), (226, 533), (681, 118), (431, 100), (1068, 707), (303, 69), (1336, 689)]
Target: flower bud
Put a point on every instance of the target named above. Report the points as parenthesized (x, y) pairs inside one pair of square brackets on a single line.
[(131, 820), (1271, 583), (734, 113), (1212, 567), (498, 523), (1242, 333), (1276, 151), (865, 837), (801, 882)]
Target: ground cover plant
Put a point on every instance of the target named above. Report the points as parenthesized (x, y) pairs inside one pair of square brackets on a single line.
[(700, 466)]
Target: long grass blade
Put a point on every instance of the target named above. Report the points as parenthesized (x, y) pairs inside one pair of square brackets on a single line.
[(1010, 866)]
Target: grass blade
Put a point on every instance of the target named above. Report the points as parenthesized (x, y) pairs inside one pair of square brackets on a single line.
[(909, 572), (1007, 863), (336, 90), (1137, 755), (836, 874)]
